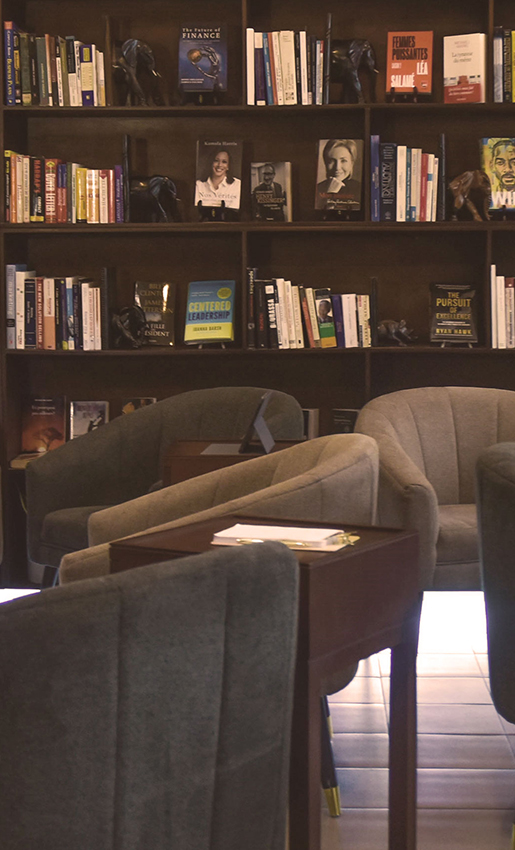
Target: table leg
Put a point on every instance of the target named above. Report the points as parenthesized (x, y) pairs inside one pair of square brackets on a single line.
[(402, 818), (305, 766)]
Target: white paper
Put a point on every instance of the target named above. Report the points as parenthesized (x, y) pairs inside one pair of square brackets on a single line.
[(294, 537)]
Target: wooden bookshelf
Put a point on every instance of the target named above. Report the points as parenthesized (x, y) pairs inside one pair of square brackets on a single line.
[(405, 258)]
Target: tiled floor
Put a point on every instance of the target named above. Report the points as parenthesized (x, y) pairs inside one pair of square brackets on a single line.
[(466, 752)]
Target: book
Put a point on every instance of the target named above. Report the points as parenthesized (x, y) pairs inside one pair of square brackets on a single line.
[(218, 174), (203, 58), (402, 159), (343, 420), (259, 70), (20, 278), (157, 300), (287, 59), (210, 311), (338, 320), (269, 294), (375, 183), (409, 61), (453, 313), (325, 318), (129, 405), (388, 181), (251, 312), (30, 313), (43, 424), (87, 74), (311, 422), (10, 93), (270, 184), (497, 56), (507, 69), (464, 68), (339, 174), (250, 53), (10, 301), (498, 162), (86, 416), (350, 319), (49, 336)]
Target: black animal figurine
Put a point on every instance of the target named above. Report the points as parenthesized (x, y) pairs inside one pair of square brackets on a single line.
[(347, 57), (471, 181), (135, 69), (128, 327), (389, 331), (153, 199)]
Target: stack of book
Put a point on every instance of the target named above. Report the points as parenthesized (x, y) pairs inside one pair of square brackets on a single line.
[(39, 189), (68, 313), (504, 65), (404, 182), (284, 315), (49, 70), (502, 291), (286, 68)]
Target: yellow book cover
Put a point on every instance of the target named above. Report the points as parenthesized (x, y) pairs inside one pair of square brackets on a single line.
[(82, 215)]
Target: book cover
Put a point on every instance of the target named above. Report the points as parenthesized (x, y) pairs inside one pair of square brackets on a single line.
[(270, 184), (43, 424), (10, 301), (261, 315), (157, 300), (324, 308), (409, 58), (388, 180), (218, 174), (129, 405), (86, 416), (464, 68), (269, 290), (87, 74), (30, 313), (453, 313), (10, 95), (498, 162), (344, 420), (203, 58), (375, 185), (210, 311), (498, 71), (339, 174)]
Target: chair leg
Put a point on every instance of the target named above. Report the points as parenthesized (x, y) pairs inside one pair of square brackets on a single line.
[(325, 708), (329, 780)]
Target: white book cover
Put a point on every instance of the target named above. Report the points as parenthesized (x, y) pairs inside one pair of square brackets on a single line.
[(101, 80), (350, 324), (75, 166), (435, 189), (26, 189), (430, 186), (364, 320), (501, 312), (318, 73), (276, 48), (103, 196), (493, 304), (19, 188), (282, 318), (297, 317), (20, 306), (10, 301), (288, 300), (272, 289), (59, 73), (498, 44), (310, 296), (95, 74), (304, 68), (509, 295), (91, 308), (416, 184), (72, 89), (251, 66), (86, 317), (97, 324), (287, 48), (401, 183), (464, 58)]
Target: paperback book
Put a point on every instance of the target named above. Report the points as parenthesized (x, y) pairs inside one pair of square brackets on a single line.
[(157, 300), (498, 162), (464, 70), (43, 424), (86, 416), (203, 58), (339, 174), (270, 184), (453, 313), (218, 174), (210, 312), (409, 60), (326, 326)]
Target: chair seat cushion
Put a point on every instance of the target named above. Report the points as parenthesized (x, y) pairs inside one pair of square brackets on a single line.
[(457, 540), (65, 531)]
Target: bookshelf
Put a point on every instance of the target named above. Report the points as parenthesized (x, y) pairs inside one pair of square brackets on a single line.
[(405, 258)]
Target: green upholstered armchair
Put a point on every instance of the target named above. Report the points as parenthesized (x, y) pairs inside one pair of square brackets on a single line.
[(123, 459), (152, 708), (429, 440)]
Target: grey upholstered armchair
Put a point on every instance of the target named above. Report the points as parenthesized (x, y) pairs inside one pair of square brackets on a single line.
[(152, 708), (123, 459), (429, 440)]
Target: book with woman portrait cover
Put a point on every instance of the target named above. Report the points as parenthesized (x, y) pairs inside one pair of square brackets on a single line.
[(203, 57), (339, 174), (270, 185), (218, 173)]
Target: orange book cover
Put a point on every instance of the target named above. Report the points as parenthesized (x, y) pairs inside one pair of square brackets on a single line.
[(43, 424), (409, 61)]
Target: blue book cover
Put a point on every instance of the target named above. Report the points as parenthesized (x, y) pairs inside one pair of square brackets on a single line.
[(87, 72), (10, 90), (268, 71), (338, 320), (210, 311), (203, 58), (388, 180), (375, 212)]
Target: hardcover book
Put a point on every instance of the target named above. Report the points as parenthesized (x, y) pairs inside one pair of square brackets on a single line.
[(498, 161), (339, 174), (409, 60), (43, 424), (218, 174), (203, 58), (86, 416), (453, 313), (464, 68), (210, 311), (270, 184), (157, 300)]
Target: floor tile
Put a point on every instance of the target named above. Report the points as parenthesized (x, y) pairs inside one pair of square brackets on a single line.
[(461, 829), (482, 660), (364, 750), (444, 664), (355, 829), (509, 728), (363, 788), (362, 689), (465, 751), (348, 717), (457, 691), (384, 662), (511, 741), (369, 667), (459, 720), (466, 789)]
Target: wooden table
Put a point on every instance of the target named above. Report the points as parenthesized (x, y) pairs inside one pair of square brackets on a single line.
[(353, 603), (185, 459)]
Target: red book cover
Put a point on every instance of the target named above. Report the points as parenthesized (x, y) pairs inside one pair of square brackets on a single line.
[(51, 190), (409, 59), (423, 187)]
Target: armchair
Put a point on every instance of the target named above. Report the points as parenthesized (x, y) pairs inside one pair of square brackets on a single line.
[(429, 440), (123, 459)]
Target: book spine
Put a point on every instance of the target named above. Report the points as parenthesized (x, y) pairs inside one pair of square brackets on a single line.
[(441, 182), (259, 68), (298, 73), (424, 164), (61, 193), (26, 87), (401, 183), (97, 325), (30, 312), (512, 66), (310, 296), (251, 306), (501, 312), (87, 75), (336, 301), (250, 66), (103, 195), (283, 336), (107, 286), (287, 54), (7, 185), (10, 303), (276, 60), (261, 317), (77, 314), (44, 99), (58, 321), (70, 316), (364, 320), (290, 315), (388, 178), (493, 305), (92, 196), (507, 75), (268, 70), (497, 51), (48, 313), (33, 64), (78, 71), (19, 188), (17, 66), (72, 72), (51, 58), (63, 70), (37, 189), (10, 95), (26, 189), (327, 59), (307, 318), (297, 317), (119, 196), (20, 311), (81, 183), (63, 312), (375, 212), (509, 294), (269, 296), (310, 65), (59, 72), (304, 67), (408, 208), (39, 312), (51, 190), (101, 80)]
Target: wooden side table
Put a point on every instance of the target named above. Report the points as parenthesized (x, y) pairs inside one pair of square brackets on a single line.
[(353, 603), (188, 458)]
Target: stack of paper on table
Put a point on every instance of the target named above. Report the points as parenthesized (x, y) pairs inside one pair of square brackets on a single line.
[(328, 539)]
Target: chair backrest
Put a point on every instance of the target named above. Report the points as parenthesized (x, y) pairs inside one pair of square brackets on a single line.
[(496, 513), (443, 430), (152, 708)]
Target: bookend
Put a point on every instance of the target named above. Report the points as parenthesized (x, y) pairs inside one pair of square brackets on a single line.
[(202, 98), (220, 213), (503, 214), (413, 96), (454, 344), (338, 215)]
